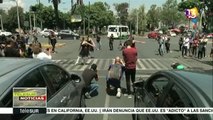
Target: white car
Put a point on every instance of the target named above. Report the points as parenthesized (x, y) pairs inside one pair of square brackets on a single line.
[(5, 33), (46, 32), (172, 34)]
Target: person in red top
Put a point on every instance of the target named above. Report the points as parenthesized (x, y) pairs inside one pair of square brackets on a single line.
[(130, 59)]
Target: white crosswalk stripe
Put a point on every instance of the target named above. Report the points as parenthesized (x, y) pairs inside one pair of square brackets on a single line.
[(103, 64)]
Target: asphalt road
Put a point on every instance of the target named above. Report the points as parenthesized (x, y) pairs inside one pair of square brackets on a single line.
[(149, 62)]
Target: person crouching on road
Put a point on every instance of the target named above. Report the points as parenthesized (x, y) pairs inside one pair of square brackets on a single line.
[(115, 73), (90, 85)]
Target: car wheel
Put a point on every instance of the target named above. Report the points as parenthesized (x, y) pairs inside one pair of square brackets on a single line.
[(136, 104), (82, 104)]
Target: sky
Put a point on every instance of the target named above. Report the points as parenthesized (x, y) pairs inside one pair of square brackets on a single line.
[(66, 4)]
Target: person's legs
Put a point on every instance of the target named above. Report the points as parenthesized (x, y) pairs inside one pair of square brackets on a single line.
[(127, 74), (93, 88)]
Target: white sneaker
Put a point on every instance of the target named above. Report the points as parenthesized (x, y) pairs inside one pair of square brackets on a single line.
[(129, 96), (125, 94), (118, 93)]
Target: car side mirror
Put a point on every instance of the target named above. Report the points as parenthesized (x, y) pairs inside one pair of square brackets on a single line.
[(76, 78)]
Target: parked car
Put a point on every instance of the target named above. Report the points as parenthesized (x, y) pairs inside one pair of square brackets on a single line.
[(46, 32), (68, 34), (174, 89), (172, 34), (63, 89), (210, 35), (153, 35), (7, 34)]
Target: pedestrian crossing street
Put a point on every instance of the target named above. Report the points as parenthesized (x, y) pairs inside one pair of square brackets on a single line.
[(142, 64)]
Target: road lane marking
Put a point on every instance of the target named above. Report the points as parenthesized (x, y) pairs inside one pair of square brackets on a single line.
[(106, 105), (156, 66)]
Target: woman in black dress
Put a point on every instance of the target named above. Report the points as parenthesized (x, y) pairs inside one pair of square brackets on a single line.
[(84, 51)]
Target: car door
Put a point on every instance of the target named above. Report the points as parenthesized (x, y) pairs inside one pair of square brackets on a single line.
[(154, 90), (177, 97), (66, 93)]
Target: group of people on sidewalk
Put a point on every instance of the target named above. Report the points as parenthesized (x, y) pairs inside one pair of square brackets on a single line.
[(115, 72), (193, 46)]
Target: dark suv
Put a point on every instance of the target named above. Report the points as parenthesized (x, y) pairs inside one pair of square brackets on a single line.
[(174, 89), (63, 89)]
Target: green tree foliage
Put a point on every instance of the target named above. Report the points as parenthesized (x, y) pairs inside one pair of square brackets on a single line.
[(97, 14), (55, 5), (122, 12), (170, 15), (10, 20), (153, 17), (141, 19)]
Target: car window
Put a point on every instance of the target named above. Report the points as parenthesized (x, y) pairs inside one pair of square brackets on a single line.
[(156, 86), (178, 98), (57, 76)]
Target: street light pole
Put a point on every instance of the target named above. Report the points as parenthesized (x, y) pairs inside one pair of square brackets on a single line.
[(19, 27), (1, 24)]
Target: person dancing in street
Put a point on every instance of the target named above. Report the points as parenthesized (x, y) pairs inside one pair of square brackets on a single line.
[(84, 51)]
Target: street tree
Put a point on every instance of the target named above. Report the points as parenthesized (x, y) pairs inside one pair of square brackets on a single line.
[(55, 5), (138, 19), (122, 12), (153, 17), (11, 19), (170, 16)]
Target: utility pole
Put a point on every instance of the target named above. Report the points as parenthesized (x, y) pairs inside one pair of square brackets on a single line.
[(18, 19), (2, 28), (137, 22), (89, 20), (30, 21)]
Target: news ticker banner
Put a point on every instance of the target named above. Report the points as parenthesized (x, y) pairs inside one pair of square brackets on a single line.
[(119, 110), (29, 100)]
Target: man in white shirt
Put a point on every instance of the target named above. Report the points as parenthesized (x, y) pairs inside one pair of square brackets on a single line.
[(185, 46), (39, 54)]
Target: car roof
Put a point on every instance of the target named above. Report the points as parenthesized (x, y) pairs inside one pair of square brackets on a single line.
[(13, 68), (199, 80)]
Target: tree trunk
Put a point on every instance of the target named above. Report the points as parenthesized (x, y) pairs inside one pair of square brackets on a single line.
[(55, 4)]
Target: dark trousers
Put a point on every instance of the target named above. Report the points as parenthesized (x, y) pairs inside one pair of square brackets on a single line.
[(130, 73), (184, 51), (204, 52), (180, 47), (200, 54), (111, 45), (53, 46), (194, 51), (167, 47), (114, 82)]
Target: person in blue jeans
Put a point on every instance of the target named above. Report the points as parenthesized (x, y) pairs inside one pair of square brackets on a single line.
[(91, 86)]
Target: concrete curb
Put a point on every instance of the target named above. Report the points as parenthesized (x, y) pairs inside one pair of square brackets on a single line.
[(58, 45)]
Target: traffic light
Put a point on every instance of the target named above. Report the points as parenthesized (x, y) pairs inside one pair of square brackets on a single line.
[(1, 1)]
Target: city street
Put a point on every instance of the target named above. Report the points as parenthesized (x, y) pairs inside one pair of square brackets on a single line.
[(148, 62)]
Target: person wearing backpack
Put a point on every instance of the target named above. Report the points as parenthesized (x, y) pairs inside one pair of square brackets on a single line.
[(115, 72)]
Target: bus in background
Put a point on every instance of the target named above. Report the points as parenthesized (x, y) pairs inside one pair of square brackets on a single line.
[(117, 31)]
